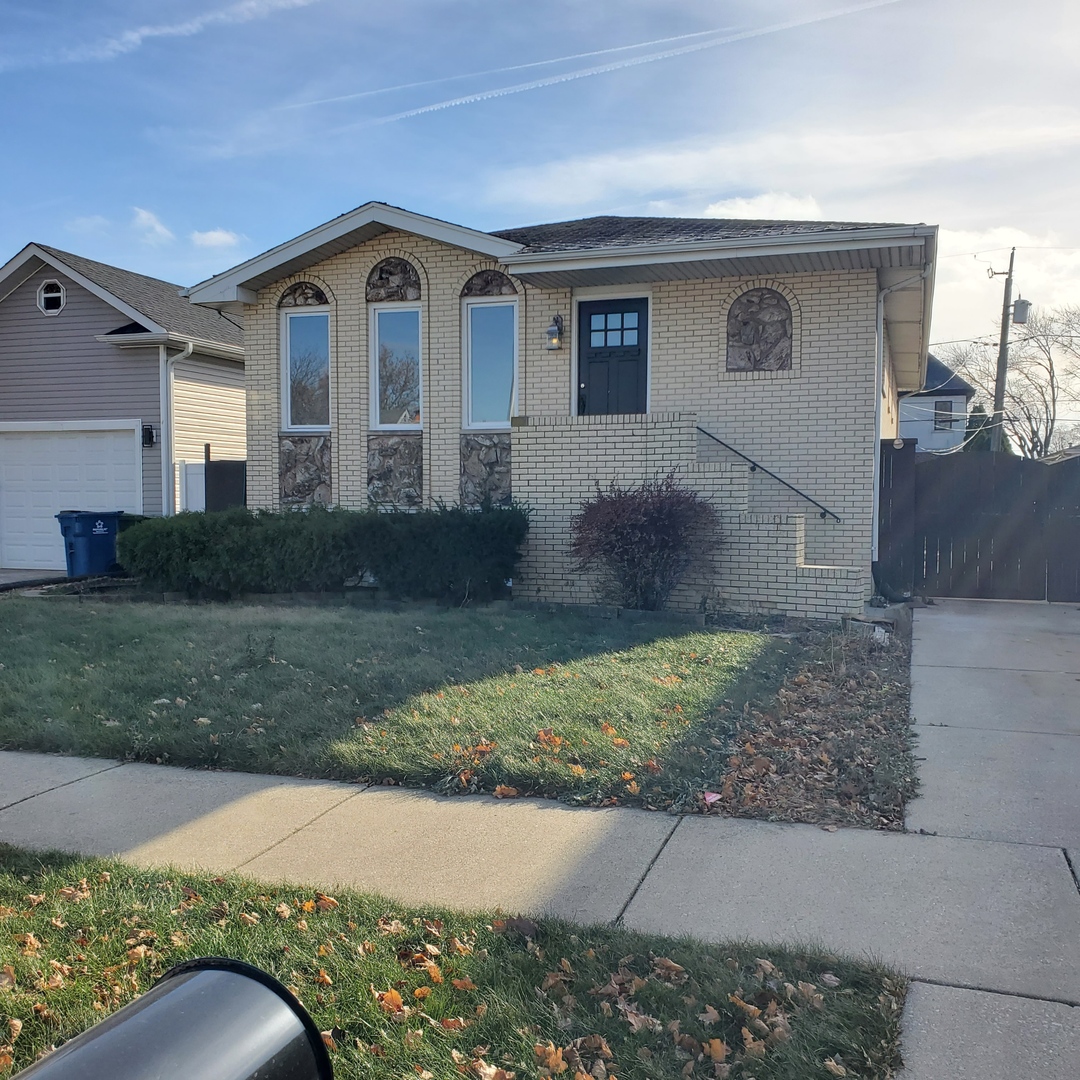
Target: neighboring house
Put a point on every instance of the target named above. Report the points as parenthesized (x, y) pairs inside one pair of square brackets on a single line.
[(107, 379), (396, 359), (1067, 453), (936, 416)]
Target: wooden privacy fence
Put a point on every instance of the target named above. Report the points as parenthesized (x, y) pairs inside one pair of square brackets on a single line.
[(988, 526)]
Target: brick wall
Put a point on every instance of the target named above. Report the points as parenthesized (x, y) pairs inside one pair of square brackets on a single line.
[(813, 425)]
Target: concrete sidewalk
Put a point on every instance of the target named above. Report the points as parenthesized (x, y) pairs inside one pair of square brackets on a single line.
[(982, 907)]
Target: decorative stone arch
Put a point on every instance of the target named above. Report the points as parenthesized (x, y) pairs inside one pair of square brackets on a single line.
[(393, 278), (761, 330), (488, 282), (304, 293)]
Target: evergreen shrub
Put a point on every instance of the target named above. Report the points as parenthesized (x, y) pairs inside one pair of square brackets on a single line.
[(447, 553)]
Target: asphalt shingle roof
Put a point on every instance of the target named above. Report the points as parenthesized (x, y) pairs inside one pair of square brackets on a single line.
[(614, 232), (941, 379), (160, 301)]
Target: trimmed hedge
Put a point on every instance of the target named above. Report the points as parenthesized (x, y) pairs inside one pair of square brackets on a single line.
[(448, 553)]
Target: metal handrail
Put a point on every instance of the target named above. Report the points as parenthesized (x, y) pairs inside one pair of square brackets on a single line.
[(754, 465)]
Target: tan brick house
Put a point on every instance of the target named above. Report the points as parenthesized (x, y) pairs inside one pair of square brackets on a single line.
[(398, 359)]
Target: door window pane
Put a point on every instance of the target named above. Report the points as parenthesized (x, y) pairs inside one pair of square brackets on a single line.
[(614, 337), (596, 339), (397, 341), (630, 320), (596, 322), (614, 322), (309, 370), (492, 341), (629, 337)]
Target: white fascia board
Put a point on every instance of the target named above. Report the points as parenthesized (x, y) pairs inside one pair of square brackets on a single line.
[(32, 251), (700, 250), (177, 341), (231, 285)]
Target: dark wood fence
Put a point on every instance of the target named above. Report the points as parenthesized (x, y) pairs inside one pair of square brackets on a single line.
[(989, 526), (226, 484)]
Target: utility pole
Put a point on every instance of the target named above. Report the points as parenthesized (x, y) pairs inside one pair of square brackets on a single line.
[(997, 424)]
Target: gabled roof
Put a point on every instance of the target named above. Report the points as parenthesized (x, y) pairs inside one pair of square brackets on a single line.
[(241, 283), (638, 250), (154, 305), (941, 380), (613, 232)]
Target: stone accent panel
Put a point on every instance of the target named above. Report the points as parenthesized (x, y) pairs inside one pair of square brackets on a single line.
[(396, 470), (485, 469), (305, 470), (489, 283), (393, 279), (759, 332)]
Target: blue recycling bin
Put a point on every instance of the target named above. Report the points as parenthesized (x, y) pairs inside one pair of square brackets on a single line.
[(90, 541)]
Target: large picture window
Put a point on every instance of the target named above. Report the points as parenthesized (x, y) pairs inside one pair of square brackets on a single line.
[(490, 363), (307, 369), (396, 363)]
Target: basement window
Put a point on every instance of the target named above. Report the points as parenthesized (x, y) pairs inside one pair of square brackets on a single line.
[(51, 297)]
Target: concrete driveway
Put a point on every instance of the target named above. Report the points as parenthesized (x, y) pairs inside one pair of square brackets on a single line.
[(995, 700)]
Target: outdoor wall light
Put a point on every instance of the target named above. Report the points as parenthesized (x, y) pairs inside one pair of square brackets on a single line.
[(898, 443), (554, 333), (149, 436)]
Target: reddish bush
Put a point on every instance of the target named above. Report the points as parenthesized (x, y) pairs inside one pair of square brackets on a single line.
[(641, 540)]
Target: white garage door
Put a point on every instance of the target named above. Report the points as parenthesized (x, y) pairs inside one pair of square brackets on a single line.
[(43, 472)]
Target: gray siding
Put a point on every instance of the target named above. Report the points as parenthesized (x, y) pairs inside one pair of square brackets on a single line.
[(51, 368), (208, 407)]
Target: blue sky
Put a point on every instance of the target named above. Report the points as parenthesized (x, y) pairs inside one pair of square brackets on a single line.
[(182, 136)]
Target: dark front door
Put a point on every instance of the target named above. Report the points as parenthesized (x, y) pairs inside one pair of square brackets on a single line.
[(612, 356)]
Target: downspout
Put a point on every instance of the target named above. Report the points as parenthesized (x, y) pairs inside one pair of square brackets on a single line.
[(879, 384), (166, 366)]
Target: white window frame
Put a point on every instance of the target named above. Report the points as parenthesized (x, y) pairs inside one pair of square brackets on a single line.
[(468, 424), (373, 339), (286, 382), (41, 296)]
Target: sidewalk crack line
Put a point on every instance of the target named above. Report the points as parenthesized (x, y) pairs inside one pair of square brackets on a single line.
[(617, 921), (1072, 868), (301, 828), (991, 990), (66, 783)]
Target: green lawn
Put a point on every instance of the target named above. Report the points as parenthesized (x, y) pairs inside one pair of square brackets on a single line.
[(496, 700), (420, 992)]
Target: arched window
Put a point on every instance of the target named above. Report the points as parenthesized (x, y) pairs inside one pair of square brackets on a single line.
[(305, 361), (51, 298), (303, 294), (393, 279), (488, 283), (759, 332)]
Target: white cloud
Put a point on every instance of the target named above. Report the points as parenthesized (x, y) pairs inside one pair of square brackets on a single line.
[(768, 205), (128, 41), (215, 238), (92, 224), (149, 226), (968, 302), (884, 153)]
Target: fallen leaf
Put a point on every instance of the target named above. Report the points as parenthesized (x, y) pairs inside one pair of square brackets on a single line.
[(754, 1048), (324, 980), (750, 1010), (328, 1040), (283, 911), (413, 1039), (7, 977), (833, 1069), (390, 1001), (504, 791), (830, 980), (324, 902), (14, 1028), (718, 1049), (455, 1023), (709, 1016), (202, 721), (421, 992), (463, 984), (550, 1058), (249, 918)]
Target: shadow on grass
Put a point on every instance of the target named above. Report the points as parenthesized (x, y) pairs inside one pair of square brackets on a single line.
[(454, 700)]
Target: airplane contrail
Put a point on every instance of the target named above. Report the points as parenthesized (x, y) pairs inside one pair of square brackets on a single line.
[(601, 69), (503, 70)]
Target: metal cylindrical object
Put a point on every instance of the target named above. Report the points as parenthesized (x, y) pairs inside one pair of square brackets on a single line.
[(208, 1019)]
